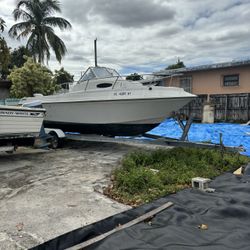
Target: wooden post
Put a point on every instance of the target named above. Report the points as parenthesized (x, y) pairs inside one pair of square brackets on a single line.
[(186, 128), (226, 108), (248, 118), (121, 227)]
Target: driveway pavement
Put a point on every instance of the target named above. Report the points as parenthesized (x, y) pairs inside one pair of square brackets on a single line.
[(44, 194)]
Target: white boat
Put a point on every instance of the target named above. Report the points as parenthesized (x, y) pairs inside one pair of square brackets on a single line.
[(18, 122), (102, 102)]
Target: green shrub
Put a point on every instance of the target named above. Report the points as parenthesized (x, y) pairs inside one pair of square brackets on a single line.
[(137, 180), (146, 175), (31, 78)]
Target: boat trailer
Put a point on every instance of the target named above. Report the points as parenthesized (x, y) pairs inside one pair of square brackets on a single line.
[(54, 138), (148, 138)]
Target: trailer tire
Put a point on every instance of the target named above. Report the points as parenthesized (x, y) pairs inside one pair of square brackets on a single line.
[(55, 141), (10, 152)]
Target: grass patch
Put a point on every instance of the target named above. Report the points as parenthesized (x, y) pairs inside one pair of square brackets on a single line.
[(145, 175)]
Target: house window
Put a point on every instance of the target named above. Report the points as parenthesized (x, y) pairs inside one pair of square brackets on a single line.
[(186, 83), (231, 80)]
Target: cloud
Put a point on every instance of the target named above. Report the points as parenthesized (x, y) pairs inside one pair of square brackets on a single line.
[(124, 13), (136, 13), (148, 34), (168, 31), (76, 10)]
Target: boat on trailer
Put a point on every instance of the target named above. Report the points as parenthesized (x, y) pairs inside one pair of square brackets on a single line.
[(20, 125), (104, 103)]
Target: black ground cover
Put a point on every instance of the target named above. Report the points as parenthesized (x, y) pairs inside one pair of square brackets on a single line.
[(225, 212)]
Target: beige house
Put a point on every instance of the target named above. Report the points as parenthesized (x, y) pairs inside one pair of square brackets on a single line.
[(223, 78), (225, 86)]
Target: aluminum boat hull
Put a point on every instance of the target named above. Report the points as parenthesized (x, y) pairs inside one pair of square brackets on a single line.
[(20, 121)]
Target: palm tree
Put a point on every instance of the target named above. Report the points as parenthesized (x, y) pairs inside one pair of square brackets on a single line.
[(37, 25), (2, 24)]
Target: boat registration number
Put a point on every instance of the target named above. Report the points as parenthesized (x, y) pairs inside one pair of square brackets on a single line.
[(123, 93)]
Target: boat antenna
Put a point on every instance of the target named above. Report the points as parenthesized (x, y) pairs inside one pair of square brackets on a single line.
[(95, 45)]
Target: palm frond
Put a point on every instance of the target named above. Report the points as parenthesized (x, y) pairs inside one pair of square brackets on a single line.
[(20, 27), (19, 13), (50, 6), (56, 44), (29, 5), (23, 3), (57, 22), (24, 33), (2, 24), (2, 21)]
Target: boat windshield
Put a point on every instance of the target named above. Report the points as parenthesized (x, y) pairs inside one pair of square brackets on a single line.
[(98, 72)]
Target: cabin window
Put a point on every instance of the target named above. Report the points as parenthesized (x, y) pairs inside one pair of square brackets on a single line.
[(231, 80), (88, 75), (104, 85), (186, 83)]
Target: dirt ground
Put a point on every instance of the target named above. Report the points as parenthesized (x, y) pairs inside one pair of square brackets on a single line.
[(44, 194)]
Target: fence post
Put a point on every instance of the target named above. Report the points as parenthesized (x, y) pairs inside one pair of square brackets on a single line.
[(226, 108), (248, 107)]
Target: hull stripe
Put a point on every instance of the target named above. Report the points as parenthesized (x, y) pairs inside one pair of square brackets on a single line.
[(115, 100)]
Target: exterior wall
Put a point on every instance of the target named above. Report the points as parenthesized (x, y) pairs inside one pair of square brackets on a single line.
[(211, 81), (4, 93), (4, 89), (173, 82)]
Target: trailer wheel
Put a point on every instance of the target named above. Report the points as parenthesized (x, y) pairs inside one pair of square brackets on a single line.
[(10, 152), (54, 141)]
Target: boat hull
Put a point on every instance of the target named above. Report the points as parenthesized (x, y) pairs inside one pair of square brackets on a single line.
[(119, 117), (18, 122)]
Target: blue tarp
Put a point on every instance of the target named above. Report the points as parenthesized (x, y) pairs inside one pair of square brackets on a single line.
[(233, 134)]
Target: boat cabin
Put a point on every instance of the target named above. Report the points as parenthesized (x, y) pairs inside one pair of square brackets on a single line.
[(98, 72)]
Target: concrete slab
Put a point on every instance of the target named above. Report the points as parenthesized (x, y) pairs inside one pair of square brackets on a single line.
[(44, 194)]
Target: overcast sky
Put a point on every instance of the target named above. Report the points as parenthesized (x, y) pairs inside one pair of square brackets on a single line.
[(147, 35)]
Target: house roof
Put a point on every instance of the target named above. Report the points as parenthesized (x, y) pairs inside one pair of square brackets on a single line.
[(169, 72)]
